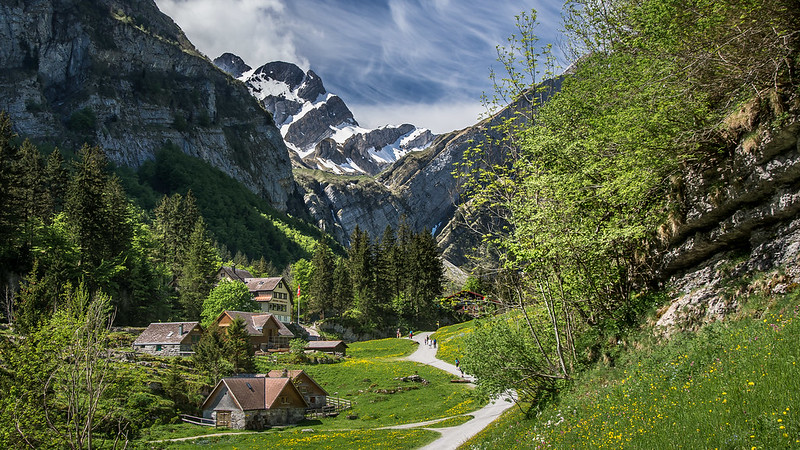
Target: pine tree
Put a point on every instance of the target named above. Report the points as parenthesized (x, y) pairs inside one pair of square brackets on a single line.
[(198, 271), (322, 279), (237, 348), (342, 287), (56, 178), (359, 258), (10, 210), (209, 357), (31, 185), (85, 206)]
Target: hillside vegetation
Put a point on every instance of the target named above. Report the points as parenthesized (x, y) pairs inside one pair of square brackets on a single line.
[(731, 385), (596, 181)]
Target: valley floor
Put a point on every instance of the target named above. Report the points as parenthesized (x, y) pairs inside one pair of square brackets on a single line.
[(440, 433)]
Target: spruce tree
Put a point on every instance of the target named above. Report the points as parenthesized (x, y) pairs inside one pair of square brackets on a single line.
[(237, 348), (199, 270), (322, 279), (10, 208), (342, 287), (56, 178)]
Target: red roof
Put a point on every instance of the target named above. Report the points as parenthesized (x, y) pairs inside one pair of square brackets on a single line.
[(258, 393), (255, 321)]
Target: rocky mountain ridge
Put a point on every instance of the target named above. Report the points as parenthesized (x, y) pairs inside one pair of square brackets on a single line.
[(318, 126), (122, 75)]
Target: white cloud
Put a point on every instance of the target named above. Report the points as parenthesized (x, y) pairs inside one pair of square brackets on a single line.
[(383, 55), (253, 29)]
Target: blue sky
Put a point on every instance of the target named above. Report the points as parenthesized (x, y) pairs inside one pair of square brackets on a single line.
[(424, 62)]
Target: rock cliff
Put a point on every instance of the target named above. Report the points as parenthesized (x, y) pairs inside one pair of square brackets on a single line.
[(741, 217), (122, 75)]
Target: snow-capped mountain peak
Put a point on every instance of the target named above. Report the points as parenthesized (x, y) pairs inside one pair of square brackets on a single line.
[(318, 126)]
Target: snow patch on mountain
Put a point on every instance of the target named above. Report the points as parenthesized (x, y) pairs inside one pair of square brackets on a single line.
[(319, 127)]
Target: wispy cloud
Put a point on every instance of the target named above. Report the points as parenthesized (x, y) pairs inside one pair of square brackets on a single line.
[(418, 57)]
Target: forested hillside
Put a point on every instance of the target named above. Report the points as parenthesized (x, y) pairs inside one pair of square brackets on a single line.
[(669, 152), (71, 222)]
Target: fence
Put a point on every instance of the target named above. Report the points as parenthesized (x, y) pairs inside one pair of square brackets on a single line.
[(198, 420), (333, 407)]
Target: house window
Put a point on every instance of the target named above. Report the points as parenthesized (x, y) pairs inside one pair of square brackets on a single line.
[(285, 400), (313, 399), (158, 347)]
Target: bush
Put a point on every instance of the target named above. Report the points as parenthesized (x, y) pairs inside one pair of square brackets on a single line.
[(83, 120)]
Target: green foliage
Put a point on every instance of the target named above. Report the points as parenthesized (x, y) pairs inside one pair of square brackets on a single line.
[(227, 296), (297, 350), (577, 186), (198, 272), (82, 121), (712, 389), (237, 348), (236, 218), (209, 358), (61, 387), (322, 299)]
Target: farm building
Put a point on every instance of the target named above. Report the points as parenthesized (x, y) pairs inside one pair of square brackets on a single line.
[(169, 338), (335, 347), (254, 402)]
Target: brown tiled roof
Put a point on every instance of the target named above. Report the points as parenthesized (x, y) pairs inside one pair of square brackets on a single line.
[(262, 284), (258, 393), (320, 345), (165, 333), (255, 322), (235, 274), (295, 374)]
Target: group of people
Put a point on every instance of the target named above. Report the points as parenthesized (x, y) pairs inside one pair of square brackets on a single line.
[(430, 342)]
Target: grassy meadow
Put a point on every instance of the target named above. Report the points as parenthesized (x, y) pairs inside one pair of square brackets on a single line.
[(731, 385), (450, 340), (368, 379)]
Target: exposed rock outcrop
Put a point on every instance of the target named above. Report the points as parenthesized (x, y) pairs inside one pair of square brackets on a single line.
[(232, 64), (742, 217), (122, 75)]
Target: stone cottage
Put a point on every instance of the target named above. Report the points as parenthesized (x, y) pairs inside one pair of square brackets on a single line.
[(169, 338), (254, 402)]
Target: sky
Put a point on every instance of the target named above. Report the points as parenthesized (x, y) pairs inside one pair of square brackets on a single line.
[(424, 62)]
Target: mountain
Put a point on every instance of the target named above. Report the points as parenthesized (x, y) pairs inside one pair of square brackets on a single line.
[(318, 126), (122, 75), (232, 64)]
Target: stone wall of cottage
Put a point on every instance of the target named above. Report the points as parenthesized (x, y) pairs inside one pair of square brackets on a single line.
[(166, 349)]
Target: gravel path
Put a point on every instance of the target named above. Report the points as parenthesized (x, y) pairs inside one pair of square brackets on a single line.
[(452, 437)]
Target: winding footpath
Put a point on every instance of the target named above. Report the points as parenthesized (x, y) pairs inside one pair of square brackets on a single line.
[(452, 437)]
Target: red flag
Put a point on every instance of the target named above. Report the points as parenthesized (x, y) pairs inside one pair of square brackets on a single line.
[(298, 290)]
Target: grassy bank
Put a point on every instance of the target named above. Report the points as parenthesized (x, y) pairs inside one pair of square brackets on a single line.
[(731, 385)]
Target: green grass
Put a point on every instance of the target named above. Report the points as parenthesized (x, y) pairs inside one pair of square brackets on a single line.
[(371, 366), (450, 340), (178, 430), (452, 422), (297, 439), (731, 385), (368, 378)]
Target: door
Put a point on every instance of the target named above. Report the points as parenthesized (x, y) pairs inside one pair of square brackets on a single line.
[(224, 419)]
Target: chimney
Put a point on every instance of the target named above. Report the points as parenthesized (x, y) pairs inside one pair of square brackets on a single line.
[(285, 373), (180, 330)]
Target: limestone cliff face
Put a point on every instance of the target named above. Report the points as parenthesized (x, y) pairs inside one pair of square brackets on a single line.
[(122, 75), (741, 216)]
